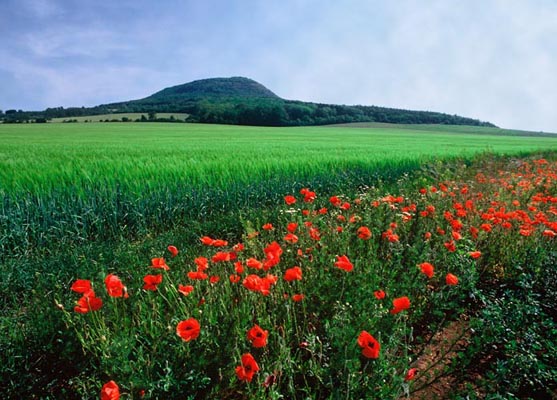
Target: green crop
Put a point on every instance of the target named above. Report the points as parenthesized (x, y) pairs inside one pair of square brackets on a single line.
[(100, 181)]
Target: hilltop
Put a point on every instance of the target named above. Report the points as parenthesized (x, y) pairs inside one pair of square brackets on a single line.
[(214, 88), (243, 101)]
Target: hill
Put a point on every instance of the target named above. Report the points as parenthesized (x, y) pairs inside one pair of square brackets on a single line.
[(235, 87), (243, 101)]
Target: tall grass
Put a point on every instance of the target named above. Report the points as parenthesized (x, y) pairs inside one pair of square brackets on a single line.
[(503, 213), (73, 183)]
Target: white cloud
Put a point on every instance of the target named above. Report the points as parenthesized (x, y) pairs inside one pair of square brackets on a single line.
[(488, 59), (72, 41)]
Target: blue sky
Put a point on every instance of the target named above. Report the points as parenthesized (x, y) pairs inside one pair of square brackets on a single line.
[(495, 60)]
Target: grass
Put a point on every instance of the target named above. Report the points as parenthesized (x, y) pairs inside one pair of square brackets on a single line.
[(311, 347), (39, 158), (447, 129), (96, 181), (85, 200)]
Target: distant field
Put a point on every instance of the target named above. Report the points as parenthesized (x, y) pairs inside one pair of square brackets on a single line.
[(38, 157), (445, 129), (93, 180), (119, 116)]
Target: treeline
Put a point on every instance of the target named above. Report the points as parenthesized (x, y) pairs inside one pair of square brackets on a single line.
[(245, 111), (297, 113)]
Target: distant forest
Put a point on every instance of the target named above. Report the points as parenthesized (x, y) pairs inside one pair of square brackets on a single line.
[(264, 113), (242, 101)]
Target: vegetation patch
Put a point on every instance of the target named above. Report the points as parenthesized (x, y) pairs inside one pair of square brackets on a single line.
[(125, 117), (241, 281)]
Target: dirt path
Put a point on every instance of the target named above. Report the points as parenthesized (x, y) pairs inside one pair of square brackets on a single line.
[(433, 381)]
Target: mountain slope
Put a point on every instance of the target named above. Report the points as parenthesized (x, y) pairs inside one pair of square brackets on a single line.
[(215, 88)]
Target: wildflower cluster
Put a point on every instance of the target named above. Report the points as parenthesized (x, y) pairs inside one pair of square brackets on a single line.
[(336, 284)]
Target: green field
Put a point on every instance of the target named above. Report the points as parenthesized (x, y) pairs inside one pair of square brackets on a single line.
[(118, 117), (40, 158), (105, 180), (82, 201)]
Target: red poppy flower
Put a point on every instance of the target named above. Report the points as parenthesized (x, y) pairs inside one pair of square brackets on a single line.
[(273, 253), (197, 275), (344, 263), (188, 329), (151, 281), (238, 247), (88, 302), (173, 250), (253, 263), (456, 235), (314, 233), (255, 284), (238, 267), (110, 391), (115, 287), (427, 269), (185, 289), (248, 369), (379, 294), (81, 286), (486, 227), (549, 233), (289, 200), (202, 263), (370, 346), (206, 240), (400, 304), (221, 256), (159, 263), (390, 236), (335, 201), (475, 254), (297, 297), (234, 278), (214, 279), (364, 233), (291, 227), (257, 336), (451, 279), (309, 196), (450, 246), (293, 274), (411, 374), (268, 227), (291, 238), (219, 243)]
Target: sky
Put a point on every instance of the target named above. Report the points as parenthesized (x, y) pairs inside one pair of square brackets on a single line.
[(493, 60)]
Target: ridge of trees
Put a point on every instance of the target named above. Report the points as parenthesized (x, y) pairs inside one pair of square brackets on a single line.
[(242, 101)]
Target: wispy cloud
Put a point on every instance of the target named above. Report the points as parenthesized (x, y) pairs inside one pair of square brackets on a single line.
[(488, 59)]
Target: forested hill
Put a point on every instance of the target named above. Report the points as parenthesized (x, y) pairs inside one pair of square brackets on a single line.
[(242, 101)]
